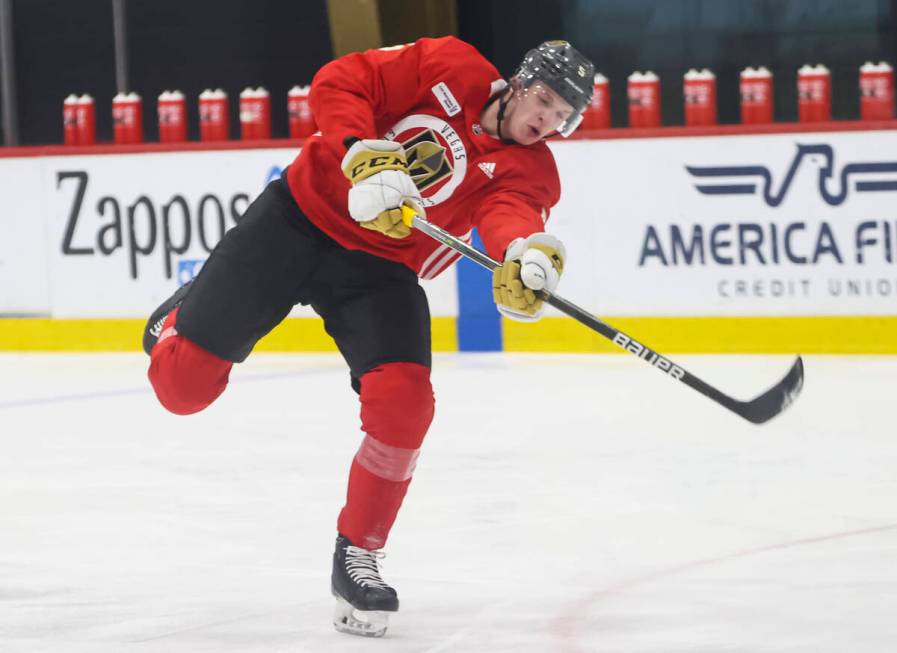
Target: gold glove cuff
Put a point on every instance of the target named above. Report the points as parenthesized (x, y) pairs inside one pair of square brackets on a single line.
[(389, 223), (508, 290)]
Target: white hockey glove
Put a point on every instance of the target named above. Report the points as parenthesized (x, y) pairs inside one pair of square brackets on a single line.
[(531, 264), (380, 185)]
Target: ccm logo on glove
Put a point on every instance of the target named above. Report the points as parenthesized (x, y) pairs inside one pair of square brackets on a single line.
[(376, 164), (381, 184)]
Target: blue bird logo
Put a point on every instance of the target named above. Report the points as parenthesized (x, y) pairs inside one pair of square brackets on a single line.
[(752, 177)]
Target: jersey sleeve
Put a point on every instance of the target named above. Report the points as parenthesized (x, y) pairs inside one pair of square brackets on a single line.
[(349, 93), (520, 205)]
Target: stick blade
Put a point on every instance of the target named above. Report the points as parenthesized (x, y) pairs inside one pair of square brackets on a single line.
[(776, 399)]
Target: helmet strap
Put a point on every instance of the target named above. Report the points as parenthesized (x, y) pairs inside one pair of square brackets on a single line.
[(502, 105)]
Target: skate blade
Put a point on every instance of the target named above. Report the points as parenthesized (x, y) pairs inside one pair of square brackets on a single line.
[(367, 623)]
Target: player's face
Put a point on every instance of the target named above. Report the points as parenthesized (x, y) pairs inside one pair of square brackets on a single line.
[(537, 112)]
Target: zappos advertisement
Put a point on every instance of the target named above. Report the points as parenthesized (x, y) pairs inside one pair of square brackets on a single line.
[(111, 235)]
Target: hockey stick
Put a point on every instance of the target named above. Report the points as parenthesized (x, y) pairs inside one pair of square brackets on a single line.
[(758, 410)]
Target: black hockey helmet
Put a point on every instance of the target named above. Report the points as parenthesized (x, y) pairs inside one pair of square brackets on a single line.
[(565, 71)]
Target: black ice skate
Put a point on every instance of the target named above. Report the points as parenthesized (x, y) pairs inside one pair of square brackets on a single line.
[(154, 325), (363, 599)]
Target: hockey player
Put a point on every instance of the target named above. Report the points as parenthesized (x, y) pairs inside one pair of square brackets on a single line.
[(431, 125)]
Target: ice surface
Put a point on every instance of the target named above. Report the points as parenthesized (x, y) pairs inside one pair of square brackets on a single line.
[(564, 504)]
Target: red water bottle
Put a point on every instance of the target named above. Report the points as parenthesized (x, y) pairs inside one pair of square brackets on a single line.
[(699, 89), (127, 119), (651, 99), (119, 109), (214, 120), (264, 102), (756, 96), (248, 118), (136, 101), (633, 94), (876, 91), (644, 99), (204, 111), (162, 103), (70, 120), (172, 117), (302, 122), (255, 114), (177, 116), (814, 94), (86, 120), (598, 114)]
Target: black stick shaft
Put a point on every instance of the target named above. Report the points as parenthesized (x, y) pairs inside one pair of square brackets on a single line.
[(757, 411)]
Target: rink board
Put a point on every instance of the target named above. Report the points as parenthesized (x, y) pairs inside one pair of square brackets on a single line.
[(763, 335), (736, 242)]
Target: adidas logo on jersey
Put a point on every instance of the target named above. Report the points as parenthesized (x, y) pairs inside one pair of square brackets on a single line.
[(488, 169)]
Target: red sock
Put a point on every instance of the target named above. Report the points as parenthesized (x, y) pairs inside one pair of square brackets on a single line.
[(396, 410)]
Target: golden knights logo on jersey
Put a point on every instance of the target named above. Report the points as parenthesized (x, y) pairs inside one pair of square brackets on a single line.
[(436, 155), (427, 160)]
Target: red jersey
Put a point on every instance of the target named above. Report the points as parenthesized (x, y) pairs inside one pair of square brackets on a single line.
[(428, 96)]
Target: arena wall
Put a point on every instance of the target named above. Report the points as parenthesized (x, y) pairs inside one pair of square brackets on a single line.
[(724, 241)]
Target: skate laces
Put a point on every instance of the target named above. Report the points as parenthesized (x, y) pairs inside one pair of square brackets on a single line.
[(363, 567)]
